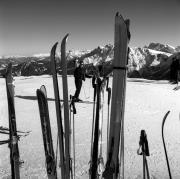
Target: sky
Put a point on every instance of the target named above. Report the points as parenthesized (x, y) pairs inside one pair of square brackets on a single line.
[(30, 27)]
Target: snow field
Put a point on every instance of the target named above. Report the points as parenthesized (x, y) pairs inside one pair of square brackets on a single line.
[(146, 104)]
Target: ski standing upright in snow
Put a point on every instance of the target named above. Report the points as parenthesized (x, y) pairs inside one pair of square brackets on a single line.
[(58, 111), (96, 157), (167, 161), (66, 107), (13, 137), (95, 145), (114, 165), (108, 89), (46, 133)]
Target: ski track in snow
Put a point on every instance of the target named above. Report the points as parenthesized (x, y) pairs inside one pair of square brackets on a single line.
[(146, 104)]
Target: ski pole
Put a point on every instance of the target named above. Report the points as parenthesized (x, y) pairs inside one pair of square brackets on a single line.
[(74, 142), (108, 89), (143, 145), (94, 100), (72, 104), (70, 131), (147, 169)]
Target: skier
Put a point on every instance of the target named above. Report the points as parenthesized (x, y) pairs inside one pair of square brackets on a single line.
[(174, 70), (79, 75)]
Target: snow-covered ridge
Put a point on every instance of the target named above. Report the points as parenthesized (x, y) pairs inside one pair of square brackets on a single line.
[(151, 62), (153, 47), (12, 56), (41, 55), (162, 47)]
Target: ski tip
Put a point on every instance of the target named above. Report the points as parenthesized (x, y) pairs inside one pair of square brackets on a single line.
[(167, 113), (118, 15), (64, 39), (53, 50), (67, 35), (165, 116), (43, 89), (37, 91), (42, 86), (40, 93)]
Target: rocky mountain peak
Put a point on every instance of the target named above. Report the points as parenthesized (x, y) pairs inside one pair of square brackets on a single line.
[(150, 62), (161, 47)]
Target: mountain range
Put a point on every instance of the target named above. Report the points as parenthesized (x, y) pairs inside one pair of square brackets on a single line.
[(150, 62)]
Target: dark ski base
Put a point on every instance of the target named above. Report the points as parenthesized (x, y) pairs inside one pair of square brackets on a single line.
[(46, 132)]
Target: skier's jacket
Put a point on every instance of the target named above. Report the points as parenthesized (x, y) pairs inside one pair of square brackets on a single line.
[(79, 74)]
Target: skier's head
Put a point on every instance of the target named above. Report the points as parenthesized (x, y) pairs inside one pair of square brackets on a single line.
[(76, 61), (80, 64)]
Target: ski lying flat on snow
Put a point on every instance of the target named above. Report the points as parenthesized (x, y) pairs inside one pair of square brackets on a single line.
[(66, 106), (58, 111), (116, 132), (46, 133), (13, 144)]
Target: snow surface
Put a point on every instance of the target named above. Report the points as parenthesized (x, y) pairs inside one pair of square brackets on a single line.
[(146, 104), (42, 55)]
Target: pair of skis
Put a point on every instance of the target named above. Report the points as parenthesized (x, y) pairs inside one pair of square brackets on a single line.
[(115, 146), (115, 166), (63, 130), (96, 158), (12, 131), (63, 135), (13, 136)]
